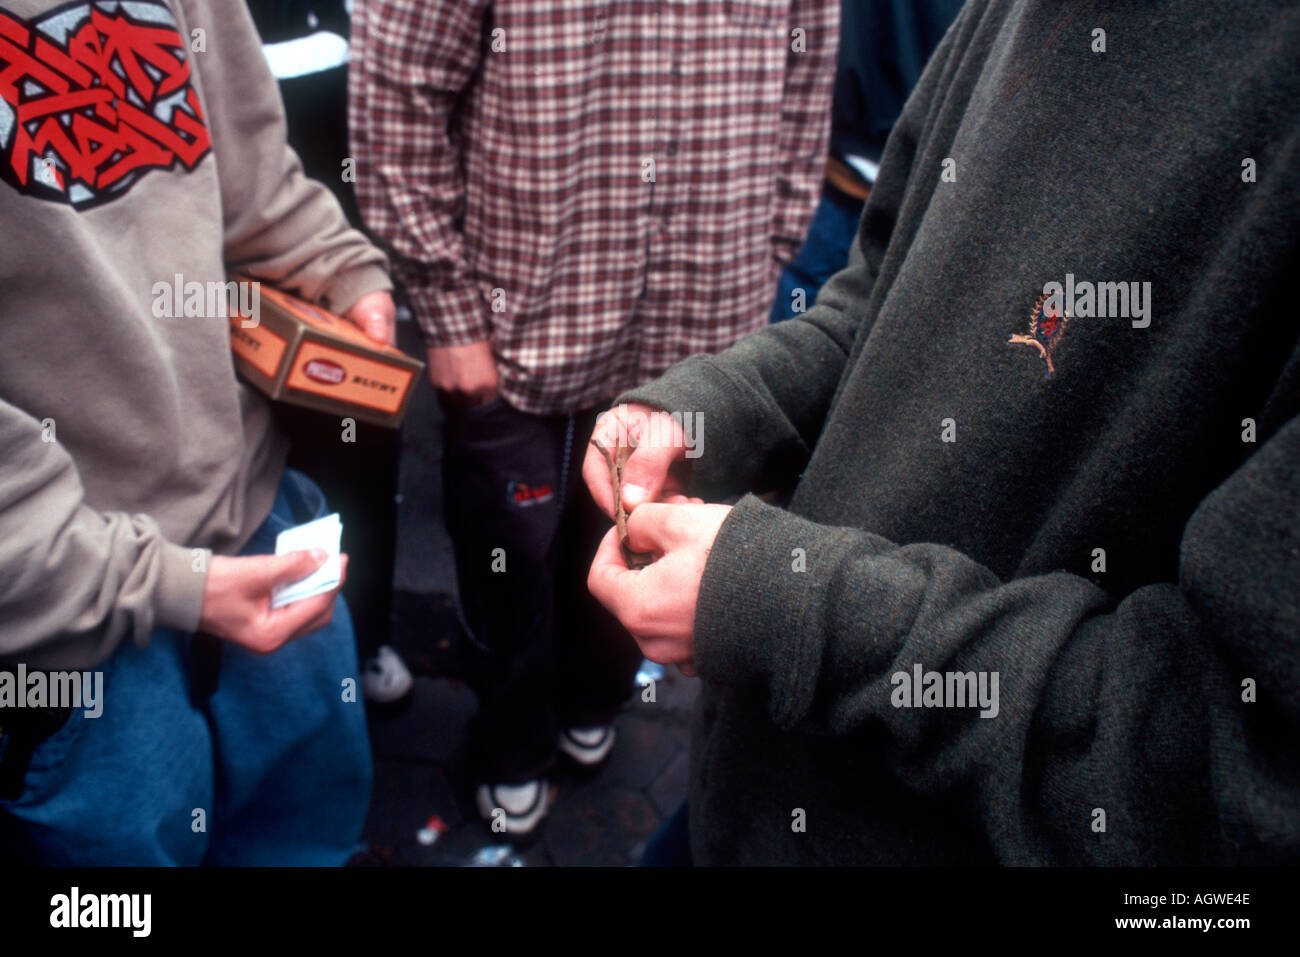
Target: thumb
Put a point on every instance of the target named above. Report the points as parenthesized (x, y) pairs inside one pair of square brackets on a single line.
[(652, 528), (291, 566), (645, 473), (375, 325)]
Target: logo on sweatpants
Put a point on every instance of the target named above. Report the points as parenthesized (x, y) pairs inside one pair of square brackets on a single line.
[(1046, 327), (523, 495)]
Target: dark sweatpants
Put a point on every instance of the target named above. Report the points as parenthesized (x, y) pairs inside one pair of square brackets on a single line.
[(541, 653)]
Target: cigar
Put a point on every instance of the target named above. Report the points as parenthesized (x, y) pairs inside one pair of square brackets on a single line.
[(635, 560)]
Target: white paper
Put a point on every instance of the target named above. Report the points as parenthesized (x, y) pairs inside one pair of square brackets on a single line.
[(327, 535)]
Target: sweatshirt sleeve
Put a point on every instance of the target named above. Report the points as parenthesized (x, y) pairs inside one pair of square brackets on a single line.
[(410, 64), (1172, 710), (279, 225), (805, 122), (763, 401), (74, 581)]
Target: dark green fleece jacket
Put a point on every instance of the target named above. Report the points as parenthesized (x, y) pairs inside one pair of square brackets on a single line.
[(1100, 510)]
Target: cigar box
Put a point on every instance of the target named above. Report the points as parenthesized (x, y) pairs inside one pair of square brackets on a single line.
[(300, 354)]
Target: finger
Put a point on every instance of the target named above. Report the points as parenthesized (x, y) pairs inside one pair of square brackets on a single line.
[(657, 527), (376, 327), (688, 668), (595, 472), (646, 472), (272, 570), (608, 580), (376, 316), (295, 620), (317, 623), (320, 621)]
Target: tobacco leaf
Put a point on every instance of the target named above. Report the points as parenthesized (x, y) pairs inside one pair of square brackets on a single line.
[(616, 461)]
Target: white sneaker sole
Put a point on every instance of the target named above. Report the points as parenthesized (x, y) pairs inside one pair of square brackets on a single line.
[(587, 756), (515, 824)]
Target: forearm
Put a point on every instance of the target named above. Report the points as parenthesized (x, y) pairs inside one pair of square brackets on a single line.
[(1072, 701), (411, 64), (762, 402), (278, 225), (75, 582)]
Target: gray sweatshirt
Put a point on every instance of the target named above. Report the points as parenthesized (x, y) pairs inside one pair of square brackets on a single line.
[(140, 142), (1099, 511)]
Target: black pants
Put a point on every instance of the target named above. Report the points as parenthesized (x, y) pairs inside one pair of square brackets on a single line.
[(360, 480), (541, 653)]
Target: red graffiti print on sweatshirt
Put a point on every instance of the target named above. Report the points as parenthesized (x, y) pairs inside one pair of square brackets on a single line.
[(92, 96)]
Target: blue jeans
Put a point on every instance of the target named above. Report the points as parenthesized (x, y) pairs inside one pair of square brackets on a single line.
[(670, 846), (272, 768), (825, 252)]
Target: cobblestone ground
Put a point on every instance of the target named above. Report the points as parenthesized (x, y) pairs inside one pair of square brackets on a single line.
[(601, 819)]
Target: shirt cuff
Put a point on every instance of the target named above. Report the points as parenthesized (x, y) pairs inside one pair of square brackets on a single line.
[(345, 289), (759, 616), (450, 316), (178, 599)]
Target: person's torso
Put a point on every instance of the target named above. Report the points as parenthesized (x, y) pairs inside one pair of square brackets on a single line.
[(113, 220)]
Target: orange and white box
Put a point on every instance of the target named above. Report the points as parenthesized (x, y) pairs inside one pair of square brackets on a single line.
[(300, 354)]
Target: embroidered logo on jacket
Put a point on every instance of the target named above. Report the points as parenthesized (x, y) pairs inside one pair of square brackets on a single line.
[(524, 495), (92, 96), (1046, 327)]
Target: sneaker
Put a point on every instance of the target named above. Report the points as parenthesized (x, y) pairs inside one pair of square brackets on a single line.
[(385, 677), (524, 805), (587, 746)]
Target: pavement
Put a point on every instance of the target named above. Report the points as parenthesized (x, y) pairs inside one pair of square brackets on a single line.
[(602, 819)]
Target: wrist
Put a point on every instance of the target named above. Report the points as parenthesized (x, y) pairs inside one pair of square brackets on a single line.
[(182, 581)]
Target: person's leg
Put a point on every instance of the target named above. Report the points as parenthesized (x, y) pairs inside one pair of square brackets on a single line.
[(596, 658), (133, 786), (289, 732), (502, 502)]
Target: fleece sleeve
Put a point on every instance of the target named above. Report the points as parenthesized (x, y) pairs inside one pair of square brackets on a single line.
[(1173, 711), (75, 581), (763, 401), (279, 226)]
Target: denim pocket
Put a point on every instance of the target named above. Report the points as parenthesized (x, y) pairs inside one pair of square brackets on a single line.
[(51, 754), (304, 499)]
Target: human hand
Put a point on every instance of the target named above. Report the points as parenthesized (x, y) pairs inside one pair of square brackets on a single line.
[(376, 315), (464, 376), (656, 469), (657, 603), (237, 599)]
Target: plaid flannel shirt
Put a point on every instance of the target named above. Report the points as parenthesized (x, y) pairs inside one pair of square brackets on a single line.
[(598, 187)]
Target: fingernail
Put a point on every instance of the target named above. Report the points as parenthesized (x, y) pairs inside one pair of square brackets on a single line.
[(632, 494), (319, 554)]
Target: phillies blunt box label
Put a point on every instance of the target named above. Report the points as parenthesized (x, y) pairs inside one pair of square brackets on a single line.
[(300, 354)]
